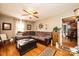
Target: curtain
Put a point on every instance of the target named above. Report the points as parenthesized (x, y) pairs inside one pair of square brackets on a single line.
[(19, 26)]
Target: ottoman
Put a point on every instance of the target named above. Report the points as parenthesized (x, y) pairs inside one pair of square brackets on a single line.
[(25, 45)]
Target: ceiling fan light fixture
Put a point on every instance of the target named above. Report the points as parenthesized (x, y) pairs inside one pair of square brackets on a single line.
[(30, 11), (30, 16)]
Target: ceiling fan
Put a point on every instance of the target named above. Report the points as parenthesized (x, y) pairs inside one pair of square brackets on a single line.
[(30, 13)]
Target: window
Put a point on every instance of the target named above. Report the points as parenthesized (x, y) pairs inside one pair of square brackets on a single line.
[(20, 26)]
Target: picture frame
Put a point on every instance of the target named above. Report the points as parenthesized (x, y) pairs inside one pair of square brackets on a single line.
[(6, 26), (40, 26), (28, 26)]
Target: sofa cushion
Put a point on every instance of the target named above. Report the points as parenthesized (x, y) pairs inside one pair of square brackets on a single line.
[(21, 37), (28, 33), (23, 42), (32, 33), (40, 38)]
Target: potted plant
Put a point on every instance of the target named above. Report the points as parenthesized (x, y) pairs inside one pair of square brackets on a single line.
[(55, 29)]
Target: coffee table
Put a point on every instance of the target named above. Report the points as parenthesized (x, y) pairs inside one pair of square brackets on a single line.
[(25, 45)]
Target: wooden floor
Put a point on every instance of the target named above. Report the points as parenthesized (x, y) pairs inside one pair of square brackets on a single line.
[(10, 50), (36, 51), (69, 43)]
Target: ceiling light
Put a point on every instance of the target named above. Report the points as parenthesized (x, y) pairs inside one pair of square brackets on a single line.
[(30, 16), (30, 11)]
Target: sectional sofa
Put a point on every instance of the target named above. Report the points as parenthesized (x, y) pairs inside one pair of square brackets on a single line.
[(40, 37)]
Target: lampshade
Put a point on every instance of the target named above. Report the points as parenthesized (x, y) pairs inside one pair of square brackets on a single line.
[(76, 12)]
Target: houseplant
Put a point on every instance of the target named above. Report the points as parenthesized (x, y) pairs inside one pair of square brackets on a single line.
[(55, 29), (55, 36)]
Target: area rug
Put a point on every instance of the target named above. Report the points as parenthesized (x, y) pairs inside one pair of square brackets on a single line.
[(47, 52)]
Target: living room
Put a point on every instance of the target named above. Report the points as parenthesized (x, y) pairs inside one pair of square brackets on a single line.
[(38, 23)]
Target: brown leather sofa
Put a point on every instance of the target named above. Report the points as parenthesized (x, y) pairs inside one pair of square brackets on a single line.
[(41, 37)]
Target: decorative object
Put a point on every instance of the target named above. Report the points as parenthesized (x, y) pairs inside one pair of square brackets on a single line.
[(28, 26), (6, 26), (19, 33), (56, 29), (40, 26), (48, 52)]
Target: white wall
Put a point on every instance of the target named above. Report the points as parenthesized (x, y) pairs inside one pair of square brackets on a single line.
[(52, 22), (13, 21)]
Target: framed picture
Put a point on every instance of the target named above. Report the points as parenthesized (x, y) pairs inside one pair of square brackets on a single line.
[(28, 26), (40, 26), (6, 26)]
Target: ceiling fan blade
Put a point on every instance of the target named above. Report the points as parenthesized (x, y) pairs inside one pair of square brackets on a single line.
[(30, 13), (36, 16), (25, 11), (35, 13)]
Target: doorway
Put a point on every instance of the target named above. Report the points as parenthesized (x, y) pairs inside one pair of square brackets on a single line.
[(69, 36)]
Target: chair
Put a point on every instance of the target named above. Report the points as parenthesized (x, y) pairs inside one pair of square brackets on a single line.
[(4, 39)]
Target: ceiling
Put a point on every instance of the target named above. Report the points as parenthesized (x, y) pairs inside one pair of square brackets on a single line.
[(45, 10)]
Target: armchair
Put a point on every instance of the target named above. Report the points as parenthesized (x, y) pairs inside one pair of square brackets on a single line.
[(4, 39)]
